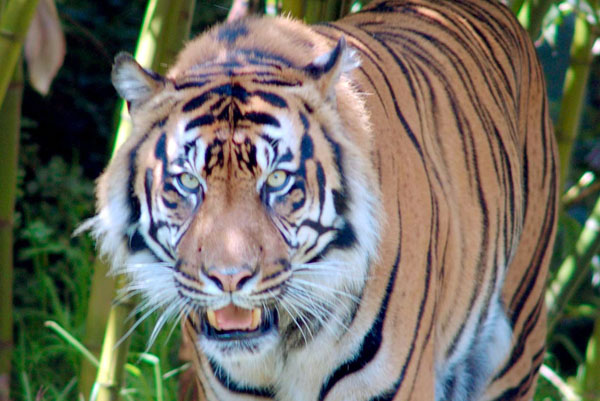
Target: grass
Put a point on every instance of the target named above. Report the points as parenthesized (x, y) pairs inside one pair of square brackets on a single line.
[(52, 279)]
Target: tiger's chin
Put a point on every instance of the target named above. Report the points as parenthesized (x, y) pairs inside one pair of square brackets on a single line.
[(233, 333)]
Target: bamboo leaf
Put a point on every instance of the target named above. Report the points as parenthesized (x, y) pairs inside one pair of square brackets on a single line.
[(45, 46)]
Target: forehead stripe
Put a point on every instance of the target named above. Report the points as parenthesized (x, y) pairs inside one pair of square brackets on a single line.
[(236, 91), (195, 102), (262, 118), (276, 82), (200, 121), (271, 98), (192, 84)]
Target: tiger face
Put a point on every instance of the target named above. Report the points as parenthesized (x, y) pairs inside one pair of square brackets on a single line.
[(236, 213)]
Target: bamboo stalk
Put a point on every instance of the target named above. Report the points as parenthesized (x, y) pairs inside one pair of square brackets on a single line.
[(574, 268), (10, 124), (590, 385), (114, 351), (13, 27), (101, 295), (575, 83), (176, 33), (169, 21), (531, 15), (516, 6), (150, 53), (313, 11), (295, 8)]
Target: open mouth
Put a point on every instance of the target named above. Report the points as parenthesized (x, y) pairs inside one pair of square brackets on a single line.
[(234, 323)]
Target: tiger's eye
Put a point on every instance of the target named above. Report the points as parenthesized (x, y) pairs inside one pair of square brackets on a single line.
[(188, 181), (277, 179)]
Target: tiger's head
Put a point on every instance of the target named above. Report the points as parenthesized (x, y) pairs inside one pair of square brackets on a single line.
[(244, 201)]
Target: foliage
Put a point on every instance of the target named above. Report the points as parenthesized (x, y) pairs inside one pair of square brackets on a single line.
[(52, 283)]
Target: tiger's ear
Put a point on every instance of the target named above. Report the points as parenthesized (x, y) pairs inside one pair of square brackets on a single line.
[(327, 68), (134, 83)]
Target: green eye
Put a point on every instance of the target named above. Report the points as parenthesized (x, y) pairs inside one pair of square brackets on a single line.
[(277, 179), (188, 181)]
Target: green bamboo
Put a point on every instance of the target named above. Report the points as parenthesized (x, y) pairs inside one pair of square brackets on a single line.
[(590, 385), (114, 351), (101, 295), (516, 6), (162, 36), (531, 15), (332, 10), (176, 31), (295, 8), (574, 269), (165, 28), (14, 22), (10, 124), (345, 7), (315, 11), (575, 83)]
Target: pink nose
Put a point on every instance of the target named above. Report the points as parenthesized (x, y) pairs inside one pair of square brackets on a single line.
[(229, 281)]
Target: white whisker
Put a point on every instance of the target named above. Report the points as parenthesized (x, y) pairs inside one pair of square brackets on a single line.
[(136, 324), (297, 318), (319, 311), (326, 289)]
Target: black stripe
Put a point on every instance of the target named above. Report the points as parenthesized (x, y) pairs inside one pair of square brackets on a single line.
[(521, 341), (196, 102), (372, 339), (271, 98), (391, 393), (168, 204), (306, 148), (160, 150), (316, 71), (276, 82), (200, 121), (192, 84), (227, 382), (152, 231), (132, 199), (261, 118), (525, 384), (136, 242), (231, 32), (255, 56), (341, 197)]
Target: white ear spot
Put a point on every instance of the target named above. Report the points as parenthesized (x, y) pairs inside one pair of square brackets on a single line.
[(350, 59), (346, 56), (327, 68), (132, 82)]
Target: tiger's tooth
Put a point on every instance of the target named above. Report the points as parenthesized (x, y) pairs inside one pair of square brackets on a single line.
[(212, 318), (256, 315)]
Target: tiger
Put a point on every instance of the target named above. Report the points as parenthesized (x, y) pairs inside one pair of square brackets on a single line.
[(354, 210)]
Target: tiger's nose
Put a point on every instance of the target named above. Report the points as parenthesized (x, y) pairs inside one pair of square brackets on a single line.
[(229, 279)]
